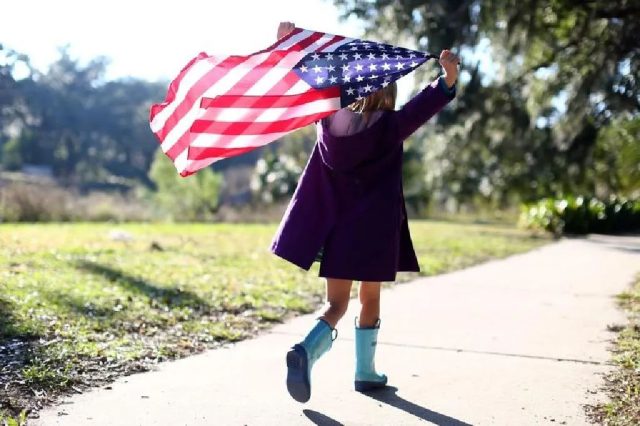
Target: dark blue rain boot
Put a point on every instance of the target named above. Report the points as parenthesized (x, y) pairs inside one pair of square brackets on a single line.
[(302, 356), (366, 377)]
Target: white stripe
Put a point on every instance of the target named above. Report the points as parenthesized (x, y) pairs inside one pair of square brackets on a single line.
[(274, 75), (300, 87), (336, 45), (234, 75), (267, 115), (181, 162), (195, 165), (294, 40), (221, 86), (313, 47), (240, 141), (194, 74)]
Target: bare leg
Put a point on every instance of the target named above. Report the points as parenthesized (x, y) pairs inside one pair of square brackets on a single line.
[(370, 303), (338, 293)]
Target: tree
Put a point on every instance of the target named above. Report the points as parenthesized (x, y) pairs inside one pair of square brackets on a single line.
[(184, 199), (527, 120)]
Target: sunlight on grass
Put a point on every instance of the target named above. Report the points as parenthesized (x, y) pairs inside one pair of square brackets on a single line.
[(94, 301)]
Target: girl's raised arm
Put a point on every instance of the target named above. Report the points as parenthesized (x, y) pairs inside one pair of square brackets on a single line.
[(431, 99)]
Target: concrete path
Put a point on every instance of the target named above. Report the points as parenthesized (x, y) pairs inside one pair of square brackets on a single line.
[(520, 341)]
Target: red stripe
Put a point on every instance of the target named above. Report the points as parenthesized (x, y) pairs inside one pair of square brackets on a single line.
[(242, 86), (306, 42), (280, 41), (197, 90), (226, 65), (198, 153), (280, 87), (173, 87), (283, 86), (254, 128), (335, 39), (270, 101)]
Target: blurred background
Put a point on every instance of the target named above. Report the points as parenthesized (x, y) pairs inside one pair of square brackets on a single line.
[(547, 106)]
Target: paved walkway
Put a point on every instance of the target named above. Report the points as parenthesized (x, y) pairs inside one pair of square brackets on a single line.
[(513, 342)]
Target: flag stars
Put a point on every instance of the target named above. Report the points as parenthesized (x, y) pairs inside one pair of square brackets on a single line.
[(333, 79), (317, 69), (357, 56), (315, 56), (386, 66), (414, 64), (343, 56), (329, 56), (368, 88), (350, 91), (331, 68), (400, 65), (373, 67), (347, 78), (319, 80), (384, 56), (359, 67), (359, 78), (304, 68), (371, 56), (345, 68)]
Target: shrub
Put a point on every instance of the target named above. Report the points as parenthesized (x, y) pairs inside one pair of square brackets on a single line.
[(39, 202), (582, 215), (185, 199)]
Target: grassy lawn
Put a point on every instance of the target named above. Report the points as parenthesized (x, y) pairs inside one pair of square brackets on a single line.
[(81, 304), (623, 384)]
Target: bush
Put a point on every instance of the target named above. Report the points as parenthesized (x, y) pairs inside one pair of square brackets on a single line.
[(38, 202), (185, 199), (275, 177), (582, 215)]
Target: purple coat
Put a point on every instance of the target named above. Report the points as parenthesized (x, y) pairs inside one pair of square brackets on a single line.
[(349, 200)]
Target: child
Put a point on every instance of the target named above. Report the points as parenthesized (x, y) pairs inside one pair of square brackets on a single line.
[(349, 206)]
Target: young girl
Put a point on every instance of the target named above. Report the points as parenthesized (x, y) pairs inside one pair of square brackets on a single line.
[(349, 206)]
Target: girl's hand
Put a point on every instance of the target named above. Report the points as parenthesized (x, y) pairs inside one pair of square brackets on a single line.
[(285, 28), (449, 62)]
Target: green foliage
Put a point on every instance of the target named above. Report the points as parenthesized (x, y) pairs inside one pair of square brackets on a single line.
[(275, 177), (617, 157), (276, 174), (185, 199), (9, 420), (545, 88), (11, 156), (88, 130), (582, 215), (623, 382)]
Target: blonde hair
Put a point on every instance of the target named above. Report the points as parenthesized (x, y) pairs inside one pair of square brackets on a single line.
[(383, 99)]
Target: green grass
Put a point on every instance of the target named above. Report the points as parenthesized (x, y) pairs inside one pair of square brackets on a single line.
[(623, 384), (79, 308)]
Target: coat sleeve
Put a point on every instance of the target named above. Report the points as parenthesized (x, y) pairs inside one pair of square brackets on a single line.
[(422, 107)]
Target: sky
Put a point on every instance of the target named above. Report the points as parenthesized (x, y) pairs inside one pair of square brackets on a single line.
[(153, 40)]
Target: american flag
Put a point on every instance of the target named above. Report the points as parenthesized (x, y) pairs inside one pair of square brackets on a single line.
[(222, 106)]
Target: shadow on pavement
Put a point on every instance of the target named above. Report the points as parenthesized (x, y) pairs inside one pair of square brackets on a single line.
[(320, 419), (389, 395)]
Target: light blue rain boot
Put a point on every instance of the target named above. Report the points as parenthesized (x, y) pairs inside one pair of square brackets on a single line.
[(302, 356), (366, 377)]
